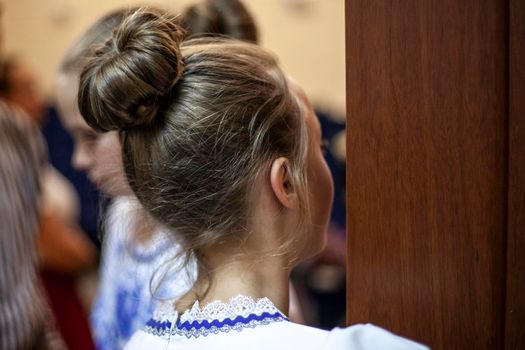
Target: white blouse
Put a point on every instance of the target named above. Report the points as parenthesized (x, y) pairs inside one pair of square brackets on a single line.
[(124, 302), (245, 323)]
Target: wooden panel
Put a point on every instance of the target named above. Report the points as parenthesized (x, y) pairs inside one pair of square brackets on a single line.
[(515, 308), (427, 169)]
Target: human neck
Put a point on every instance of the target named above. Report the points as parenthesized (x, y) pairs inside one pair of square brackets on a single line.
[(256, 267), (253, 277)]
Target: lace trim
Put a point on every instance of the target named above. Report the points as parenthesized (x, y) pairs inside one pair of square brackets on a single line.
[(240, 305), (239, 313)]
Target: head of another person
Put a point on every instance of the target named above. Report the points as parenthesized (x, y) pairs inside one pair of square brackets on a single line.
[(98, 154), (220, 17), (218, 144), (18, 85)]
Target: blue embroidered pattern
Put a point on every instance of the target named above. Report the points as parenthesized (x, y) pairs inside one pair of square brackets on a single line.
[(203, 327)]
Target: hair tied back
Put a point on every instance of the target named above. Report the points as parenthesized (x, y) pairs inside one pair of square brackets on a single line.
[(126, 82)]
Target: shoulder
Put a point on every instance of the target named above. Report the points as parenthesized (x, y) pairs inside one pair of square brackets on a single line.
[(276, 336), (282, 336), (144, 341), (368, 337), (356, 337), (117, 223), (119, 212)]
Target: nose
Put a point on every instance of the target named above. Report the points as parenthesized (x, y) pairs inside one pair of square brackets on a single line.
[(82, 159)]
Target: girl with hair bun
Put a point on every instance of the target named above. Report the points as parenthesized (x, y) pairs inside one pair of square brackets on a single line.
[(134, 249), (224, 150)]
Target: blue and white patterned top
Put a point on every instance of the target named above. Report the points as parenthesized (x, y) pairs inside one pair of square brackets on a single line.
[(241, 312), (124, 300), (245, 323)]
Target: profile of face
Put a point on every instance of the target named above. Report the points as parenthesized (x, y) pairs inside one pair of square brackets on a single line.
[(99, 154), (320, 183)]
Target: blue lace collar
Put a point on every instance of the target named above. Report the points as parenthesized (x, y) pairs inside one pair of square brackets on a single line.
[(239, 313)]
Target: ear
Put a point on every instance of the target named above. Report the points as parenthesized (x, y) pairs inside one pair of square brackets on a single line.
[(281, 183)]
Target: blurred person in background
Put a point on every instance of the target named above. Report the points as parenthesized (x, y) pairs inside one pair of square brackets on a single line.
[(25, 320), (228, 18), (135, 252), (64, 251), (18, 86)]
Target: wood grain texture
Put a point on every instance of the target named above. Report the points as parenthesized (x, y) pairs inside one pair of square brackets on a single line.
[(515, 302), (427, 169)]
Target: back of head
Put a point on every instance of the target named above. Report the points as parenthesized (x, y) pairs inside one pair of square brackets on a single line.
[(201, 120), (225, 17), (98, 33), (132, 72)]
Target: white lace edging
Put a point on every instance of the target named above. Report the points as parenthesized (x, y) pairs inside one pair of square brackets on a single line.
[(240, 305), (165, 311), (217, 317)]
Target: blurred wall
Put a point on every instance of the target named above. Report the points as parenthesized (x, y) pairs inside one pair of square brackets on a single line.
[(307, 35)]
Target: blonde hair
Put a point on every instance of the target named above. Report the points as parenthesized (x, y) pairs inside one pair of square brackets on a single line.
[(201, 120)]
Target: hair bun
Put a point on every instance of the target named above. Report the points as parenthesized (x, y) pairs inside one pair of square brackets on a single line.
[(125, 82), (230, 18)]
